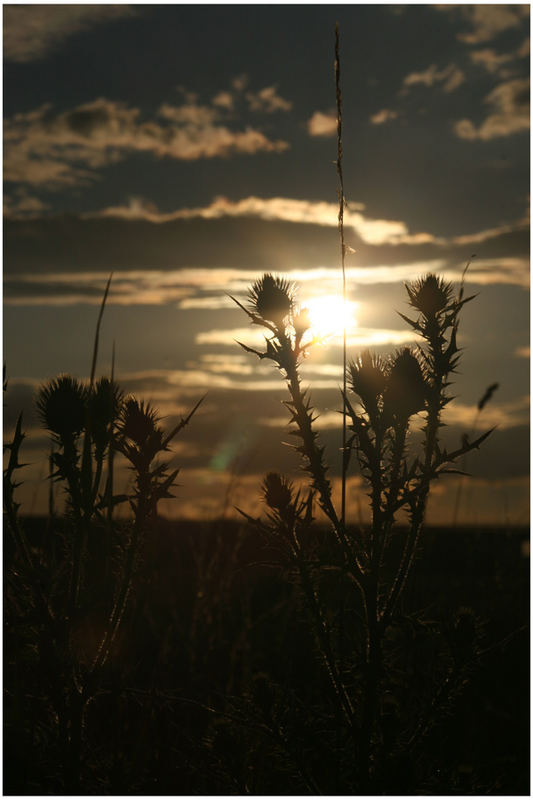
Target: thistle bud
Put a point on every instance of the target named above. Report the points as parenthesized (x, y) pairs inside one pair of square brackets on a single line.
[(367, 378), (277, 491), (138, 422), (61, 405), (406, 389), (429, 294), (104, 406), (271, 298)]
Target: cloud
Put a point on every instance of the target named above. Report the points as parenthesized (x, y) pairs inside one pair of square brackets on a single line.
[(23, 206), (490, 60), (60, 149), (322, 124), (450, 77), (524, 49), (385, 115), (267, 100), (372, 231), (31, 32), (501, 64), (240, 82), (360, 339), (511, 414), (223, 100), (285, 234), (487, 22), (510, 113), (508, 270)]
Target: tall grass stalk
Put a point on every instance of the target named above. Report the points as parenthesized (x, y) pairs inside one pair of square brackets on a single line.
[(342, 203)]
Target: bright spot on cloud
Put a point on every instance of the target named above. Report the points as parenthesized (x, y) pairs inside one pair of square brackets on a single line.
[(330, 315)]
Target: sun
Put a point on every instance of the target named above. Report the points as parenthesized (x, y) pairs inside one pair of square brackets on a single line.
[(330, 315)]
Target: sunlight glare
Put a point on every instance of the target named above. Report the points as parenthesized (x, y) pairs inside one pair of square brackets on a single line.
[(329, 315)]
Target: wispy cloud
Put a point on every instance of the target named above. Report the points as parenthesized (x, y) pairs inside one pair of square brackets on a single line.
[(360, 338), (224, 100), (492, 61), (383, 116), (449, 78), (267, 100), (32, 31), (21, 205), (486, 22), (322, 124), (57, 149), (502, 415), (509, 114), (372, 231), (208, 288)]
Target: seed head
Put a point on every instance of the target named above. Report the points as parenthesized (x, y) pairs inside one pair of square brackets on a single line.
[(271, 298), (406, 389), (429, 294), (61, 405)]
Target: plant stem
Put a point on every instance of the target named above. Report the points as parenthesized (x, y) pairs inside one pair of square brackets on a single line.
[(419, 508), (372, 677), (125, 589), (343, 252)]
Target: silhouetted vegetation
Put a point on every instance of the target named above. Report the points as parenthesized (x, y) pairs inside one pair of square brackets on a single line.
[(276, 656)]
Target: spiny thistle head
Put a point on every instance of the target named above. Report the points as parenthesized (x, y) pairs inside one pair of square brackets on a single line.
[(302, 321), (138, 422), (272, 298), (367, 377), (429, 294), (277, 491), (406, 389), (104, 405), (61, 405)]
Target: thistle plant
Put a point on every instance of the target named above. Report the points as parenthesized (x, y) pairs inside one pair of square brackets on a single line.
[(141, 440), (385, 397), (271, 305), (88, 423)]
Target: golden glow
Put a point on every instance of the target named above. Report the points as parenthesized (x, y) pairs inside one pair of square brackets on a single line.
[(329, 316)]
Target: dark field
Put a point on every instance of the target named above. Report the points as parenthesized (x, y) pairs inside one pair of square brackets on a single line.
[(215, 686)]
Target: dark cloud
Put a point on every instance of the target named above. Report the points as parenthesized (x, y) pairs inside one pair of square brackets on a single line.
[(31, 32), (68, 243)]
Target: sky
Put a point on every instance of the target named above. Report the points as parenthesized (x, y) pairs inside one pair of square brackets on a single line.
[(190, 148)]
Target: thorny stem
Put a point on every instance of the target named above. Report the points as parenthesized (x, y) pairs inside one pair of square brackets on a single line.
[(313, 455), (141, 517), (391, 502), (372, 677), (10, 507), (432, 427), (72, 477), (322, 632)]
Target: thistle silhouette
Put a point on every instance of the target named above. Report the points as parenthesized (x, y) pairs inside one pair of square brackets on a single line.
[(388, 394)]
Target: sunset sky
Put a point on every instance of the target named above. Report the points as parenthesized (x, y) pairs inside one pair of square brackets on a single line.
[(188, 149)]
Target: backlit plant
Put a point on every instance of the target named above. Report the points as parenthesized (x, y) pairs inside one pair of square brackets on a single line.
[(385, 397)]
